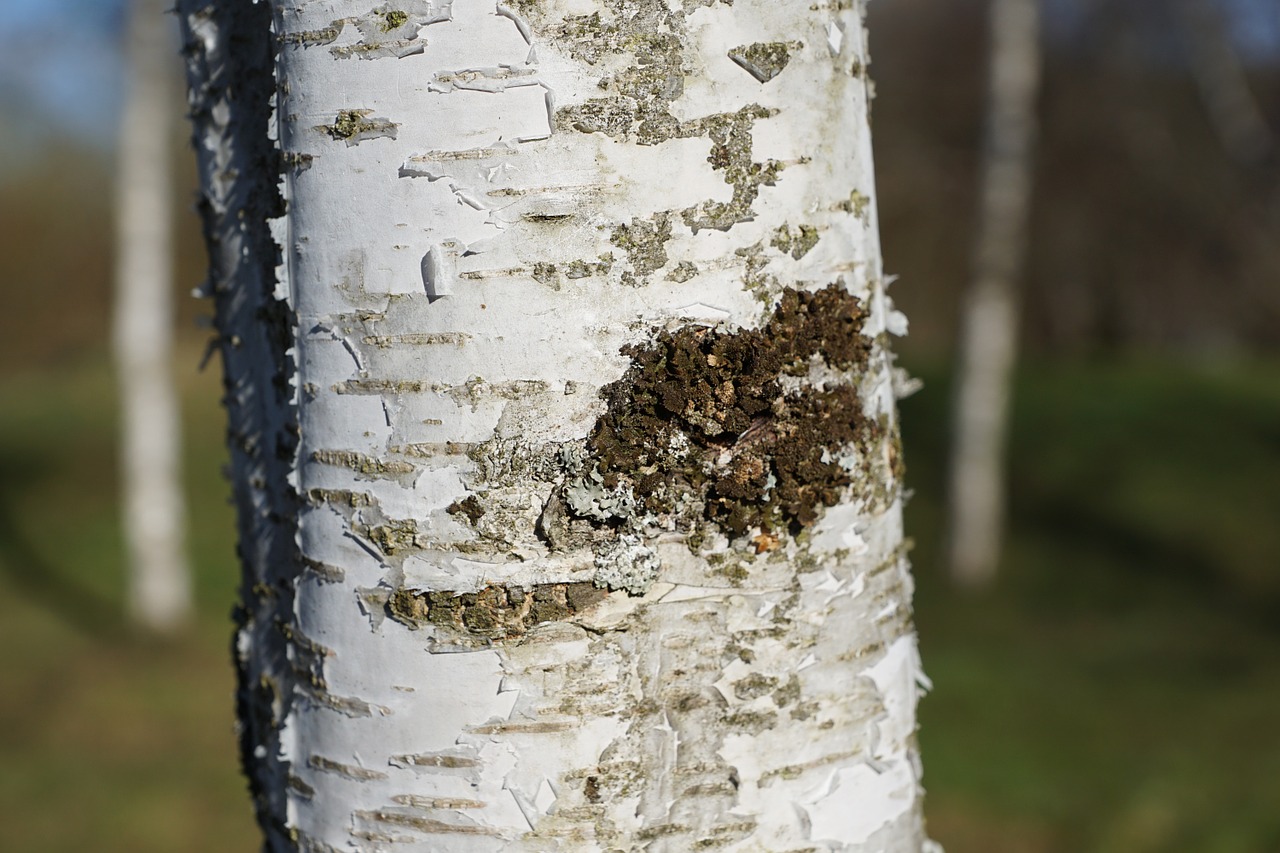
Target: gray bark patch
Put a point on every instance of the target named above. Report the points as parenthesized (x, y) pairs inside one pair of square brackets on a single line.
[(355, 126)]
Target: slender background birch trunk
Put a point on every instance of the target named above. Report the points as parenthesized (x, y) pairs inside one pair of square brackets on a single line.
[(159, 588), (989, 310), (591, 537), (1237, 118)]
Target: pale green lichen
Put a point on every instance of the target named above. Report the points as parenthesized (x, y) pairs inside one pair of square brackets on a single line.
[(763, 286), (731, 154), (385, 33), (752, 721), (582, 269), (763, 60), (580, 511), (640, 95), (610, 116), (644, 241), (353, 126), (754, 686), (730, 134), (858, 204), (477, 389), (626, 564), (512, 462), (732, 571), (682, 272), (360, 50), (546, 274), (788, 693), (589, 497), (796, 243)]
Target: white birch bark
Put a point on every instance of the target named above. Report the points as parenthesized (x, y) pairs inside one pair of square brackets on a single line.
[(490, 628), (159, 580), (989, 309)]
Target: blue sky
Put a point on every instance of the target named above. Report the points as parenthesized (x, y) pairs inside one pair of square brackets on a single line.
[(1256, 28), (60, 68)]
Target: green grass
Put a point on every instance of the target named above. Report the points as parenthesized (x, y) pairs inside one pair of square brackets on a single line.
[(1116, 691), (108, 741)]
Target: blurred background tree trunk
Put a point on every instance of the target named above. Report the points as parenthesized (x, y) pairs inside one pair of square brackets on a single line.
[(1233, 110), (989, 311), (159, 585)]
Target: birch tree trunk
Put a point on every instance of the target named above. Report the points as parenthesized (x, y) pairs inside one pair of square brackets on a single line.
[(159, 580), (989, 310), (562, 423)]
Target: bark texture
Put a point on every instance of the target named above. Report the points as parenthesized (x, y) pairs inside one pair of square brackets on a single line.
[(598, 533), (989, 312), (159, 579), (230, 51)]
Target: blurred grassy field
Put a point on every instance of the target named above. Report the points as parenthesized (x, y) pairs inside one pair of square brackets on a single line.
[(108, 742), (1117, 690)]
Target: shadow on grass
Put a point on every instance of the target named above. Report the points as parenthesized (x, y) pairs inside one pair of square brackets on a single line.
[(1146, 556), (39, 580)]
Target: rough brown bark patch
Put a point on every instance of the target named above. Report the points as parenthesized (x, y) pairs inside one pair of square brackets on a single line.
[(704, 413)]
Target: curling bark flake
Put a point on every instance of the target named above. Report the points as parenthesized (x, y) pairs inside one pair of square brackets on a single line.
[(159, 580), (591, 536), (989, 311)]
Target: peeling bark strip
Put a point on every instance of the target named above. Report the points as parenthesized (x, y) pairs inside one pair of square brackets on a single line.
[(601, 544)]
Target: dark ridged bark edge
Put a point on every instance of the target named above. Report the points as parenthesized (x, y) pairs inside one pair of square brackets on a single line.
[(230, 51)]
